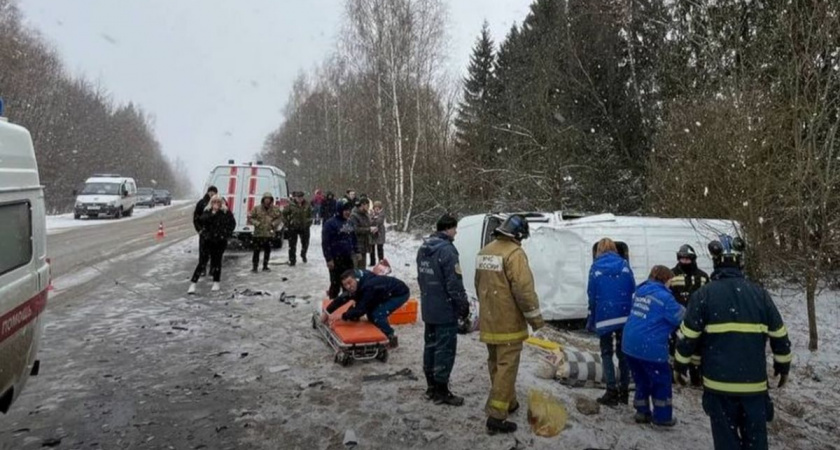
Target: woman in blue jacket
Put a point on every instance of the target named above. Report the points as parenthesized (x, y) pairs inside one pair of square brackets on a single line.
[(611, 286), (655, 315)]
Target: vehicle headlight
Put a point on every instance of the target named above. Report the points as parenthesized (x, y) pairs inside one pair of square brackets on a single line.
[(78, 203)]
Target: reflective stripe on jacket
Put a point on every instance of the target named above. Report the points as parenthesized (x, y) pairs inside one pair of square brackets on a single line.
[(735, 319), (508, 302)]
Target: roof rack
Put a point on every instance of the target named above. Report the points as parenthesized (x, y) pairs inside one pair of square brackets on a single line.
[(106, 175)]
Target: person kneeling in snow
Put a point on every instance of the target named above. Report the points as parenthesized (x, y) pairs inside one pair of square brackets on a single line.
[(655, 315), (376, 297)]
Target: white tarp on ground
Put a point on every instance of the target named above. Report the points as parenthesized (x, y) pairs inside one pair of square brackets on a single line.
[(560, 251)]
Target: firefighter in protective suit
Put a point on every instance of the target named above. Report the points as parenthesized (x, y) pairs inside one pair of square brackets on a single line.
[(730, 320), (688, 279), (508, 304)]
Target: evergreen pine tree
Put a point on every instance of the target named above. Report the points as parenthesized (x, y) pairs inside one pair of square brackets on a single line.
[(473, 109)]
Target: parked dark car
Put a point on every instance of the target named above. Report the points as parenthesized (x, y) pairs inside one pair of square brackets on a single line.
[(163, 197), (146, 197)]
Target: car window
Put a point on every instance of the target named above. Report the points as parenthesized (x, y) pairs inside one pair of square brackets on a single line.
[(101, 189), (15, 236)]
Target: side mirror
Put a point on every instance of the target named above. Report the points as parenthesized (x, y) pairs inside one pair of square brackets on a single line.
[(125, 193), (75, 192)]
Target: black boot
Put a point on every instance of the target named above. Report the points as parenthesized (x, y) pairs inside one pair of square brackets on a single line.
[(292, 263), (254, 270), (642, 418), (430, 390), (303, 258), (444, 396), (624, 396), (495, 426), (266, 269), (667, 424), (610, 398), (393, 342)]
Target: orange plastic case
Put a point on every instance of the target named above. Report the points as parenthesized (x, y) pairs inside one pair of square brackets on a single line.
[(405, 314)]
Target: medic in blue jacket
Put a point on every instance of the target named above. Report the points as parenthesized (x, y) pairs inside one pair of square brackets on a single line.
[(611, 287), (655, 315)]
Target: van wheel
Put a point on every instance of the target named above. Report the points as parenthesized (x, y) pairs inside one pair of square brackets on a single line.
[(130, 212), (77, 216), (118, 214)]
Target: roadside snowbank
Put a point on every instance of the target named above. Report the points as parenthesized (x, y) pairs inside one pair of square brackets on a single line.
[(62, 222)]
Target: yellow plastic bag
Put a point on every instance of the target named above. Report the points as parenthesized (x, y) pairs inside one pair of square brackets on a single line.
[(546, 414)]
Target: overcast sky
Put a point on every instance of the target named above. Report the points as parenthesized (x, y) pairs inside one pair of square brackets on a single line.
[(216, 74)]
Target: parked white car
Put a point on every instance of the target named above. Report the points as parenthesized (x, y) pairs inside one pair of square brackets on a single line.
[(106, 195), (560, 250)]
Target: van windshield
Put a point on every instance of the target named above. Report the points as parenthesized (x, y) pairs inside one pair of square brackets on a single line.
[(101, 189)]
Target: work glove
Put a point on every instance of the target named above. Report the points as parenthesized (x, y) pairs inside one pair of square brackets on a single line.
[(681, 373), (331, 265), (781, 370)]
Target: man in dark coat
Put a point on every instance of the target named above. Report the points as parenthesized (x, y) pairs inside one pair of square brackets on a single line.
[(338, 242), (328, 207), (199, 210), (298, 219), (688, 279), (376, 296), (443, 302), (735, 319), (364, 232)]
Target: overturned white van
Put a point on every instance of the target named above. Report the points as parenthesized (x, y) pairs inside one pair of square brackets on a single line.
[(560, 250)]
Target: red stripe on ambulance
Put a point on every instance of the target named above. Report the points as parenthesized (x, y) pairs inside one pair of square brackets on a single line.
[(231, 188), (252, 188), (14, 320)]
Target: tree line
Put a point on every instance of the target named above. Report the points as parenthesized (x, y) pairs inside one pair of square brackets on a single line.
[(684, 108), (77, 129)]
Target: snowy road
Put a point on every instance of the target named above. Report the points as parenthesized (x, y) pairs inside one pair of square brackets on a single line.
[(129, 361)]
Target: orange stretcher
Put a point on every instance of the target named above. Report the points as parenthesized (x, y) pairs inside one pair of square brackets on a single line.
[(351, 340)]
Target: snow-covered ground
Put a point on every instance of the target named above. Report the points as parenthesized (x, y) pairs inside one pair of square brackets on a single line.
[(154, 365), (62, 222)]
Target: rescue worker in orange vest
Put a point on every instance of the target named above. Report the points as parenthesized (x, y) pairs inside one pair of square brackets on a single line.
[(508, 304)]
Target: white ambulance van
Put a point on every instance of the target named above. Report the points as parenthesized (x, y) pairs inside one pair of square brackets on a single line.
[(560, 250), (243, 185), (106, 194), (24, 270)]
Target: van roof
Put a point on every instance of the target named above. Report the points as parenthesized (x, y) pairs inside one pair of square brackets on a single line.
[(274, 169), (18, 167), (559, 219), (108, 179)]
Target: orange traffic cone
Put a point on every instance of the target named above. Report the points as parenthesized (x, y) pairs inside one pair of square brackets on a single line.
[(160, 233)]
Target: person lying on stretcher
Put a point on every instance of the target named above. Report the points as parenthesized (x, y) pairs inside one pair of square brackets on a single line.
[(376, 296)]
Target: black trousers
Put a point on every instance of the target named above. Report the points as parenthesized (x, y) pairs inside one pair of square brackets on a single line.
[(342, 264), (264, 245), (374, 258), (738, 422), (202, 252), (213, 252), (441, 343), (304, 243)]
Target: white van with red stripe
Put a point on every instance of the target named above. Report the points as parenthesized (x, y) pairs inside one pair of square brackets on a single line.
[(24, 272), (243, 185)]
